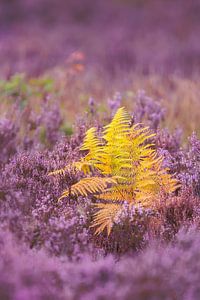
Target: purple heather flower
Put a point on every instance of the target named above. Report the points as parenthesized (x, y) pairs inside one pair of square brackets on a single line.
[(114, 103), (8, 139), (147, 110)]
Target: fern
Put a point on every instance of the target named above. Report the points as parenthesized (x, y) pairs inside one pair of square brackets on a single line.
[(130, 170), (88, 186)]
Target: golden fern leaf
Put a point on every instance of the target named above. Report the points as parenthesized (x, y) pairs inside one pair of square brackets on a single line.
[(91, 142), (131, 168), (116, 195), (81, 165), (105, 216), (87, 186), (120, 124), (60, 172), (114, 136), (84, 166), (138, 166)]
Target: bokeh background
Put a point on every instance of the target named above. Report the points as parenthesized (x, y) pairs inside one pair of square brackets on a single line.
[(126, 35), (66, 66)]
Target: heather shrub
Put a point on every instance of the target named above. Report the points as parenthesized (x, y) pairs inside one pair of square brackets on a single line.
[(189, 172), (35, 118), (50, 123), (148, 111), (115, 103), (46, 228), (63, 234), (135, 228), (160, 271), (183, 161), (33, 276), (43, 129), (131, 231), (169, 146), (173, 213), (8, 139), (29, 205)]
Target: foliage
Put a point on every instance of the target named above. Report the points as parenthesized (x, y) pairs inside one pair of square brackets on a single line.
[(129, 167)]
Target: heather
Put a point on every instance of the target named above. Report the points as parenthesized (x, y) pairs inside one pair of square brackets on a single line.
[(67, 68), (153, 274)]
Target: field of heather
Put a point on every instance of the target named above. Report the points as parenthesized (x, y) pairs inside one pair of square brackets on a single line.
[(99, 150)]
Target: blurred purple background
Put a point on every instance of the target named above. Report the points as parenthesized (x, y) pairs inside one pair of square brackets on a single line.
[(115, 36)]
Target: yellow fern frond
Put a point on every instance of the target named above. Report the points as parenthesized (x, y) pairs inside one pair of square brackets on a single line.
[(84, 166), (105, 216), (119, 123), (60, 172), (116, 195), (130, 168), (87, 186), (91, 144)]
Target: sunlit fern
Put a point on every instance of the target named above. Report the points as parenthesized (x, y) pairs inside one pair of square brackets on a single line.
[(129, 167)]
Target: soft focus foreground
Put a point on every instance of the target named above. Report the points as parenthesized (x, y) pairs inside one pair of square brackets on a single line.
[(69, 66)]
